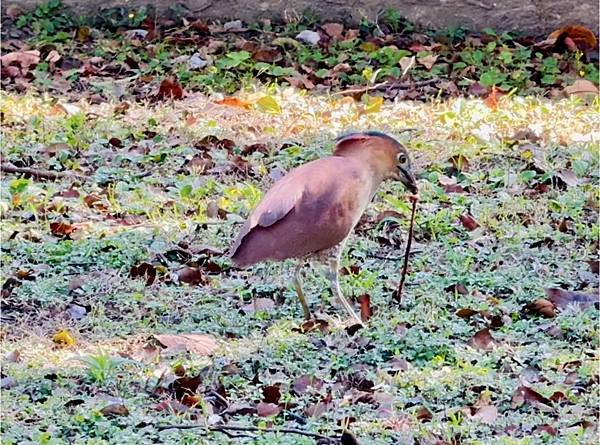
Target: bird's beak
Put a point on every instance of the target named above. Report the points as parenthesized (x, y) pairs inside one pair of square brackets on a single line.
[(409, 181)]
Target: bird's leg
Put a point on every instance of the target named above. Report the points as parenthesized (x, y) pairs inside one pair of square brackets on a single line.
[(298, 286), (334, 266)]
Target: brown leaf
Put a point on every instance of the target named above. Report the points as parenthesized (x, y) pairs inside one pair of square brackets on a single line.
[(460, 163), (457, 288), (466, 312), (487, 414), (267, 409), (428, 61), (259, 304), (366, 311), (83, 34), (266, 54), (492, 100), (13, 357), (24, 59), (542, 307), (271, 394), (191, 275), (548, 429), (144, 270), (564, 298), (483, 340), (594, 266), (114, 410), (469, 222), (186, 386), (524, 394), (171, 405), (573, 37), (333, 30), (91, 199), (61, 229), (235, 102), (568, 177), (423, 414), (302, 383), (169, 89), (197, 343), (313, 325), (477, 90), (582, 87)]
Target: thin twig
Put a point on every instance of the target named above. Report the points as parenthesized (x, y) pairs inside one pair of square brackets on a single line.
[(224, 428), (41, 174), (387, 85), (398, 295)]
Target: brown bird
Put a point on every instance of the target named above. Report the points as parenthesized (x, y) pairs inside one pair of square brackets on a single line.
[(309, 213)]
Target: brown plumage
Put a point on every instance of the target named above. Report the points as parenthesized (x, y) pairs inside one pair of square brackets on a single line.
[(314, 207)]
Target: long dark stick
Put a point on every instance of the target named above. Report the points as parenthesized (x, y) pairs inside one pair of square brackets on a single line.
[(40, 174), (222, 428), (398, 293)]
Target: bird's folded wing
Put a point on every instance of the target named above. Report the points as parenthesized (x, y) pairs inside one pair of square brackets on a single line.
[(277, 203)]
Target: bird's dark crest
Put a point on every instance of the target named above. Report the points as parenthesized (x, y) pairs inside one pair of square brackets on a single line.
[(362, 134)]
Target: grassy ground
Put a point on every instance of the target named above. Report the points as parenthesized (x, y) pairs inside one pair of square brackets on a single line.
[(413, 375), (107, 266)]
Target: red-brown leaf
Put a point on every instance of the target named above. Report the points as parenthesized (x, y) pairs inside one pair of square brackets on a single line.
[(271, 394), (146, 270), (169, 89), (524, 394), (469, 222), (267, 409), (197, 343), (483, 340), (61, 229), (365, 307), (564, 298), (191, 275), (542, 307)]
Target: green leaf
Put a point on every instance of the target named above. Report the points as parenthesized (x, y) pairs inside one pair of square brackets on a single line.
[(268, 104), (492, 77), (19, 185)]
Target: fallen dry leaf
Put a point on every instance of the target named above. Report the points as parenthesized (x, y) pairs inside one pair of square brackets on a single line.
[(144, 270), (428, 61), (524, 394), (487, 414), (582, 87), (259, 304), (61, 229), (191, 275), (169, 89), (573, 37), (200, 344), (114, 410), (333, 30), (542, 307), (492, 99), (564, 298), (63, 338), (468, 222), (483, 340), (235, 102), (366, 311), (267, 409)]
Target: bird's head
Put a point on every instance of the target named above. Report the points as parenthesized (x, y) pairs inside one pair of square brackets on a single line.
[(386, 156)]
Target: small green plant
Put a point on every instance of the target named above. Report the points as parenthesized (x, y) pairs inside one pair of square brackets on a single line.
[(101, 367)]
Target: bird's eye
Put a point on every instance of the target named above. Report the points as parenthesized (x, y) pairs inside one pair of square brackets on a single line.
[(402, 159)]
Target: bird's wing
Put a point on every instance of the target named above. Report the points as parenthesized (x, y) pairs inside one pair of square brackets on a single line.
[(276, 204)]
